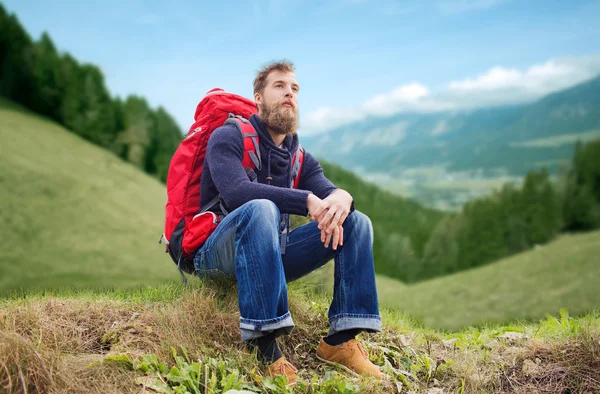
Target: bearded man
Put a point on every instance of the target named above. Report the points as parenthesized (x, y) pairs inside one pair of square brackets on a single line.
[(252, 243)]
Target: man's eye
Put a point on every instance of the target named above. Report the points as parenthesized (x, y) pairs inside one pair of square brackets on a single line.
[(278, 85), (295, 90)]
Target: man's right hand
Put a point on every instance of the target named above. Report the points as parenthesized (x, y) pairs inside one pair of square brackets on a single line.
[(312, 203)]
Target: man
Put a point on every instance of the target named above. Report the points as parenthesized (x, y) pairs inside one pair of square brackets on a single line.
[(247, 245)]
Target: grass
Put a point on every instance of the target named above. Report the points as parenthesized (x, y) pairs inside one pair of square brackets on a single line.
[(562, 274), (172, 339), (67, 211)]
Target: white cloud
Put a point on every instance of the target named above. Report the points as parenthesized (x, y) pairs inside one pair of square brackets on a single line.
[(388, 103), (497, 86), (536, 78)]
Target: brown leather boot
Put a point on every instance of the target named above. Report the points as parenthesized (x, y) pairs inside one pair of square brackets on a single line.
[(283, 367), (351, 356)]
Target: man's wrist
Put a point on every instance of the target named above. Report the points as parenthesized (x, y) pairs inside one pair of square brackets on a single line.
[(345, 194)]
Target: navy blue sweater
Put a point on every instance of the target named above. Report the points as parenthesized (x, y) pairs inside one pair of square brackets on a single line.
[(223, 172)]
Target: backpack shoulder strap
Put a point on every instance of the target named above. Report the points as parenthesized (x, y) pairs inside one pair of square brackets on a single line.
[(298, 160), (251, 159)]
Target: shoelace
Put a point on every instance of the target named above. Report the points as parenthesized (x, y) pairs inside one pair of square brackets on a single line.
[(363, 350), (284, 365)]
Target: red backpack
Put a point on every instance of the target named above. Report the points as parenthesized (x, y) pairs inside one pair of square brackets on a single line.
[(187, 226)]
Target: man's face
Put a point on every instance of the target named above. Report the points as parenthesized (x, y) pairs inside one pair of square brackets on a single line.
[(278, 103)]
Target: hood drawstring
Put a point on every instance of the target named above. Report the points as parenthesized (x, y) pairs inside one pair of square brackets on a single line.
[(284, 218), (269, 177)]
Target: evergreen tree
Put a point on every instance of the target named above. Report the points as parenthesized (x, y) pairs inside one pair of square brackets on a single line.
[(48, 78), (165, 137), (581, 205), (16, 61)]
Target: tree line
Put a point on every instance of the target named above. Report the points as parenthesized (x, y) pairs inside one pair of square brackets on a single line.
[(513, 219), (55, 85)]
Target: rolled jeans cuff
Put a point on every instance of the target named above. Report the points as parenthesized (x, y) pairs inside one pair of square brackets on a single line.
[(347, 321), (252, 329)]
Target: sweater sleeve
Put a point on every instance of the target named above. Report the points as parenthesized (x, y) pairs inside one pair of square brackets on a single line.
[(312, 178), (224, 157)]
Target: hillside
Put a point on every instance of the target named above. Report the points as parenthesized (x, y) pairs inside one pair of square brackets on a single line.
[(562, 274), (454, 156), (73, 214)]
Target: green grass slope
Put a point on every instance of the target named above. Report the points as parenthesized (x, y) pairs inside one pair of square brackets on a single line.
[(73, 214), (562, 274)]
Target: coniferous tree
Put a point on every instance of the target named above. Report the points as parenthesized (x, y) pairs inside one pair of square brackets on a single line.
[(48, 78), (16, 61)]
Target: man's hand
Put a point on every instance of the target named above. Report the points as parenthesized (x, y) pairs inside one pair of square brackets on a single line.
[(313, 203), (332, 211), (338, 237)]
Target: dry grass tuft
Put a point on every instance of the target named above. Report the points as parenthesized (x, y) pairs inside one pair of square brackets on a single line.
[(571, 366), (25, 368)]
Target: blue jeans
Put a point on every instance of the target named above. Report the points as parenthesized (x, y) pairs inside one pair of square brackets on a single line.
[(245, 246)]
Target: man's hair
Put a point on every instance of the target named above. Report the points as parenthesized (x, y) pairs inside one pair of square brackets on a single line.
[(261, 76)]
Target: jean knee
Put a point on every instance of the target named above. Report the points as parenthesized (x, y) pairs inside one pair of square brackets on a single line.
[(263, 209), (362, 224)]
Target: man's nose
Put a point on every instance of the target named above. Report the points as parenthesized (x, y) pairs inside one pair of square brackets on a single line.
[(289, 92)]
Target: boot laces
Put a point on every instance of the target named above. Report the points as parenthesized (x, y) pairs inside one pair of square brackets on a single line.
[(362, 350), (286, 365)]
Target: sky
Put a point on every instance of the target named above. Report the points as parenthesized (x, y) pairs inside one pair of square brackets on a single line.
[(353, 58)]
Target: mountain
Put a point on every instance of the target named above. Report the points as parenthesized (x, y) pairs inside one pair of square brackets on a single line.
[(468, 152)]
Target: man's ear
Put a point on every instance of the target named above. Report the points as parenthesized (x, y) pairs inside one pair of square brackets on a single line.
[(258, 98)]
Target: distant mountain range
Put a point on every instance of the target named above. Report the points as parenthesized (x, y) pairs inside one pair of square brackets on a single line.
[(446, 158)]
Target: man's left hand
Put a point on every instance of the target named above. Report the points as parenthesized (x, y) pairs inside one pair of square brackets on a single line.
[(333, 210)]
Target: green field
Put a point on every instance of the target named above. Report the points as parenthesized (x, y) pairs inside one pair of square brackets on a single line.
[(74, 214), (558, 140), (562, 274)]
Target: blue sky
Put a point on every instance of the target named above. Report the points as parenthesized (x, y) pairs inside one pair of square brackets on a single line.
[(354, 58)]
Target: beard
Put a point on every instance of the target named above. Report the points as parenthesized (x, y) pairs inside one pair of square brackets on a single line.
[(282, 120)]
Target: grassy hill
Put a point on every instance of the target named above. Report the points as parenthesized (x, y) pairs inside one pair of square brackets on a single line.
[(72, 213), (561, 274)]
